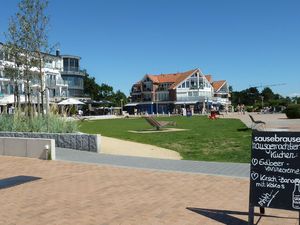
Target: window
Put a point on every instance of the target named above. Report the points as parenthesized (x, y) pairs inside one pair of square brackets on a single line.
[(193, 84), (187, 84), (183, 85), (66, 64)]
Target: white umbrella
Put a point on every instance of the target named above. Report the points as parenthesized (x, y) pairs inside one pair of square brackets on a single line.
[(9, 99), (70, 101)]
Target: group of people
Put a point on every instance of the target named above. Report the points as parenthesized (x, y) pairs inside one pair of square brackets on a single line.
[(240, 109)]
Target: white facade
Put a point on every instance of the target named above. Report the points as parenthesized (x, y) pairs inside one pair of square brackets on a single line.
[(53, 81), (194, 88)]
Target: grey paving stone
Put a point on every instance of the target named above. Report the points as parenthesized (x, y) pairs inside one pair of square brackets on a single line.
[(214, 168)]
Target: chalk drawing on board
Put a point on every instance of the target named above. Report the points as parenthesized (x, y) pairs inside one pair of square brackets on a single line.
[(296, 195)]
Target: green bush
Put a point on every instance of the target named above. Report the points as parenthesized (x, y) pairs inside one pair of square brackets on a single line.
[(50, 123), (293, 111)]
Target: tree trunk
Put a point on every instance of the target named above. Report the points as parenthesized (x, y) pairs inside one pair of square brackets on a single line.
[(41, 85)]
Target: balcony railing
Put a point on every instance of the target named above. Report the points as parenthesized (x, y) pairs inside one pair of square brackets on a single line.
[(191, 98), (147, 89), (71, 71), (221, 100), (54, 83), (71, 68)]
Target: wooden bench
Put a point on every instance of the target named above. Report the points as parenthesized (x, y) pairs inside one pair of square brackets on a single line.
[(257, 123), (158, 124)]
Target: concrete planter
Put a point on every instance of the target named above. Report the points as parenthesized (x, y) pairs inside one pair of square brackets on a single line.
[(84, 142)]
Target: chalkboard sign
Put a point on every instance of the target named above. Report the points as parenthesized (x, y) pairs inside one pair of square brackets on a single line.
[(275, 170)]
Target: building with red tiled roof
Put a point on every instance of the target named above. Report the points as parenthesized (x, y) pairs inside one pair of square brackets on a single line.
[(169, 93)]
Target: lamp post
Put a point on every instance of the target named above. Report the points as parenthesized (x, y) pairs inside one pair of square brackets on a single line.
[(121, 106), (156, 103)]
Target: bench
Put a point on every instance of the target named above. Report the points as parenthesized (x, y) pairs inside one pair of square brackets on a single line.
[(257, 123)]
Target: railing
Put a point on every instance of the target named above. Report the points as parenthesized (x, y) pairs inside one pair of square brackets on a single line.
[(53, 83), (147, 89), (71, 72), (191, 98), (71, 68), (162, 89), (221, 100)]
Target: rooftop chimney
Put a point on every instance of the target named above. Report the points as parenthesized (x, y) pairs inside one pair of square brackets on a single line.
[(57, 52)]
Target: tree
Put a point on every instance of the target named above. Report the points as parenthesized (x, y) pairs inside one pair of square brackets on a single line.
[(267, 94), (91, 88), (119, 98), (106, 92), (40, 23), (19, 50), (27, 33)]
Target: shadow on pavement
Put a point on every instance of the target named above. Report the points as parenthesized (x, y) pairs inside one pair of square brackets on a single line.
[(244, 129), (17, 180), (223, 216)]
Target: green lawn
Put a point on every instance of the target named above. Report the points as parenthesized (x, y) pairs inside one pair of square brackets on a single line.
[(223, 140)]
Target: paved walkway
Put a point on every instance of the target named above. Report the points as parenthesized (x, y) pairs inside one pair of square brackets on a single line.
[(221, 169), (274, 122), (35, 192)]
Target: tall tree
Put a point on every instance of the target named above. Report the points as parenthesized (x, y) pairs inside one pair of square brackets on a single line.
[(91, 88), (28, 33), (41, 48), (119, 98), (19, 49), (267, 94)]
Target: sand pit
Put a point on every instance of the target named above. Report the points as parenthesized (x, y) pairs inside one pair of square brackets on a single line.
[(120, 147)]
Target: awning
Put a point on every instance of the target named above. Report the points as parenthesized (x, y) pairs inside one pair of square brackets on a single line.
[(9, 99), (70, 101), (131, 104), (186, 102)]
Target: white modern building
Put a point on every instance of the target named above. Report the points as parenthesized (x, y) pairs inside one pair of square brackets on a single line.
[(56, 84)]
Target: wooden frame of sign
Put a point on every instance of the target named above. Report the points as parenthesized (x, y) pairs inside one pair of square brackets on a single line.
[(274, 172)]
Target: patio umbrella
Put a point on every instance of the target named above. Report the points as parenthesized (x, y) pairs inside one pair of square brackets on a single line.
[(71, 101), (9, 99)]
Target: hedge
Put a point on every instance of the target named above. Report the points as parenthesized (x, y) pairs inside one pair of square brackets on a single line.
[(293, 111)]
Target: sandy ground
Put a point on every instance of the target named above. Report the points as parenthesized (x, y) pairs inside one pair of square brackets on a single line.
[(119, 147)]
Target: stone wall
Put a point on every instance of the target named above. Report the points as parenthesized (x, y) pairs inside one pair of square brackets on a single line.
[(27, 147), (84, 142)]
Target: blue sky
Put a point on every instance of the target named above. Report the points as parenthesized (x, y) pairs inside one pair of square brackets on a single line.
[(244, 42)]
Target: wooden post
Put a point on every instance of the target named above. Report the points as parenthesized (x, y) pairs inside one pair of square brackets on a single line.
[(251, 215), (262, 210)]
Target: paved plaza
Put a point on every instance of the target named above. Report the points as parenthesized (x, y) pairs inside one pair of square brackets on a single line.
[(100, 189), (57, 192)]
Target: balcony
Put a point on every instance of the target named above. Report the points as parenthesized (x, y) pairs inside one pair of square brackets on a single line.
[(54, 83), (162, 89), (73, 71), (147, 89), (191, 98), (223, 101)]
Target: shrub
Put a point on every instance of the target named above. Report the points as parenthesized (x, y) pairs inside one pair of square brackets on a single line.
[(293, 111), (50, 123)]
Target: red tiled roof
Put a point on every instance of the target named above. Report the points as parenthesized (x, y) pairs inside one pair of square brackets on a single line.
[(174, 78), (218, 84), (209, 78)]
